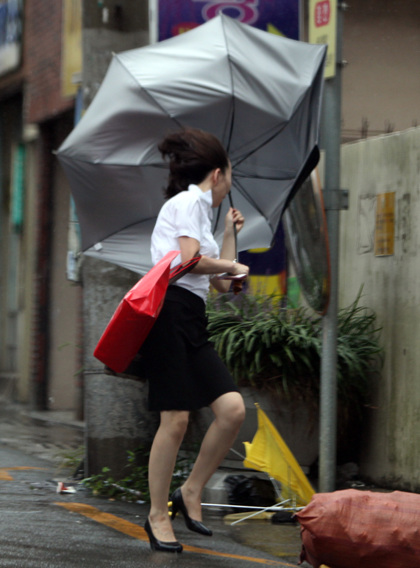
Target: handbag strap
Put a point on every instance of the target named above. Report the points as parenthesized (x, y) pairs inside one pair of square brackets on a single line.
[(183, 268)]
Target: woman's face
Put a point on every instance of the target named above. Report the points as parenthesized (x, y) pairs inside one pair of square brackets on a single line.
[(222, 187)]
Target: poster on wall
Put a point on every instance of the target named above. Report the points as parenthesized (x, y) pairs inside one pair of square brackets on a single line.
[(385, 224), (10, 35), (275, 16)]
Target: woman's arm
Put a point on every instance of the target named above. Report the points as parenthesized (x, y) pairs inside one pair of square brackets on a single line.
[(232, 219), (189, 247), (207, 265)]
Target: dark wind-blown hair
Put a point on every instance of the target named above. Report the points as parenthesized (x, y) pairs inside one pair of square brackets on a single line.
[(192, 154)]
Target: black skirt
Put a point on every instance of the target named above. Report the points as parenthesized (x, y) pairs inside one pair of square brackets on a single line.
[(182, 366)]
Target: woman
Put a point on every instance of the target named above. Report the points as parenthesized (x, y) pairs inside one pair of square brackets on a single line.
[(184, 370)]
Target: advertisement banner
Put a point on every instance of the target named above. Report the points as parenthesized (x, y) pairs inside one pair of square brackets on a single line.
[(275, 16)]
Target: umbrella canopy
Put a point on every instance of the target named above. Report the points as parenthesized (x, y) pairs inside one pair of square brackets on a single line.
[(259, 93)]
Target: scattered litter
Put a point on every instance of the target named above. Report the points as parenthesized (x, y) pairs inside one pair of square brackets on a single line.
[(61, 488), (130, 491)]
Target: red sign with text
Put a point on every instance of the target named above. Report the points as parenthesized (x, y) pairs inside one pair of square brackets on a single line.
[(322, 13)]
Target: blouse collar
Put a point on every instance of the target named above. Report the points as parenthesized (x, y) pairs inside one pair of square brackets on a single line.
[(205, 196)]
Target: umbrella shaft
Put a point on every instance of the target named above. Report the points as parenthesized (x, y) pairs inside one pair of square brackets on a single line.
[(235, 232), (273, 508)]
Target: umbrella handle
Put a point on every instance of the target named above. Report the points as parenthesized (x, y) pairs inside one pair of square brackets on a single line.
[(237, 284)]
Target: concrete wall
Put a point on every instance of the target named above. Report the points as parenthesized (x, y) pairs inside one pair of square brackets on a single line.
[(115, 409), (379, 165), (65, 341), (381, 83), (107, 31), (116, 412)]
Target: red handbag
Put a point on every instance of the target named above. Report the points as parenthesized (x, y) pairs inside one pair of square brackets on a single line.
[(137, 312)]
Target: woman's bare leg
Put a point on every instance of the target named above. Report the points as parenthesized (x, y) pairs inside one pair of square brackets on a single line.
[(166, 443), (229, 411)]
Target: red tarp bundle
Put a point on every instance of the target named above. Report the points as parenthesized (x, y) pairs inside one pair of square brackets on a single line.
[(361, 529)]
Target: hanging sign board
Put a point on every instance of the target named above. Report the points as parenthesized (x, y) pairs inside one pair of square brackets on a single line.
[(323, 30)]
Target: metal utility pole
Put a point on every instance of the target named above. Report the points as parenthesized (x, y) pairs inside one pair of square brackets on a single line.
[(335, 199)]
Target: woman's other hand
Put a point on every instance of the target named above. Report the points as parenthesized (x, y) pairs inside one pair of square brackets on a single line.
[(239, 268)]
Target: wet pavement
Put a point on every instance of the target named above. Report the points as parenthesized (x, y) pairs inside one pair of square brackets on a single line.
[(47, 435), (282, 541), (42, 528)]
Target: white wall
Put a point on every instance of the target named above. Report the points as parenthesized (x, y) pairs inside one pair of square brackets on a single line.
[(391, 284)]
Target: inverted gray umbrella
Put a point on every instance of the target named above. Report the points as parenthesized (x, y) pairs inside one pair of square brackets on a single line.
[(259, 93)]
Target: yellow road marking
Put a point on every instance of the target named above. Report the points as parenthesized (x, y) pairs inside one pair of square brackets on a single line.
[(112, 521), (5, 475), (138, 532)]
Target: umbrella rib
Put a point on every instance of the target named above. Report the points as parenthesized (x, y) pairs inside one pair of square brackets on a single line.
[(120, 230), (162, 166), (266, 177), (247, 196), (232, 89), (254, 150), (163, 109), (243, 191)]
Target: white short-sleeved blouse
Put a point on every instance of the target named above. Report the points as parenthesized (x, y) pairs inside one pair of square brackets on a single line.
[(187, 214)]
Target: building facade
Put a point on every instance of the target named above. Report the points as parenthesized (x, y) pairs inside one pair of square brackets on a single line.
[(40, 349)]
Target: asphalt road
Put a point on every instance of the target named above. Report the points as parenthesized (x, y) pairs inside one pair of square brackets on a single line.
[(40, 528)]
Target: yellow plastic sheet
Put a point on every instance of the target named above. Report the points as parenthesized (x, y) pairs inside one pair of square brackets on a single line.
[(269, 453)]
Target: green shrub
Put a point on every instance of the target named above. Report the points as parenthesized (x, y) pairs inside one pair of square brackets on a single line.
[(266, 345)]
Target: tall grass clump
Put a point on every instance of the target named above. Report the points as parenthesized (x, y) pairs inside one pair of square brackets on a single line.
[(268, 346)]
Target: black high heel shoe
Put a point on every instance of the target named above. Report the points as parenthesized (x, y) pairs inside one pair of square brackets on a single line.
[(179, 505), (159, 545)]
